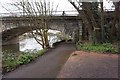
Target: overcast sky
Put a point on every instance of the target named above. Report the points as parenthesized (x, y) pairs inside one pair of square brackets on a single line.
[(64, 5)]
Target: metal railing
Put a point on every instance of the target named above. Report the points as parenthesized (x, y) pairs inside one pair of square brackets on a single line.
[(54, 13)]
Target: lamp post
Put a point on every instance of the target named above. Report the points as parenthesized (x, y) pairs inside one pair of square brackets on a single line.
[(102, 20)]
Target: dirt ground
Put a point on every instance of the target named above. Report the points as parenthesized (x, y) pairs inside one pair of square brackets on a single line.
[(90, 65)]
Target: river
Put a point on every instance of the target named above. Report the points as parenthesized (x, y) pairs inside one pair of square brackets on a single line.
[(30, 44)]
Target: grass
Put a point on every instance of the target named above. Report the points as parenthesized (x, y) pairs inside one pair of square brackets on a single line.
[(106, 47), (11, 61)]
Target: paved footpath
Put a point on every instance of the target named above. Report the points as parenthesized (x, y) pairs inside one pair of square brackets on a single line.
[(46, 66)]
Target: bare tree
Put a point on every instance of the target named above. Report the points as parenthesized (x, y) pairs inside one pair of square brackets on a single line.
[(39, 13)]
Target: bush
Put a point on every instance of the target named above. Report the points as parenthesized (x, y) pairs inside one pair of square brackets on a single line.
[(106, 47), (9, 64), (25, 58), (11, 61)]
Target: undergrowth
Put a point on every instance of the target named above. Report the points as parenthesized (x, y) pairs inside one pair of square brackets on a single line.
[(106, 47), (11, 61)]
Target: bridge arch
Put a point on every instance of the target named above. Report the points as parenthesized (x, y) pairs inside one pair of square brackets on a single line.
[(66, 24)]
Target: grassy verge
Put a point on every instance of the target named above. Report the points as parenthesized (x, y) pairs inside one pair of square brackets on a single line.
[(106, 47), (12, 61)]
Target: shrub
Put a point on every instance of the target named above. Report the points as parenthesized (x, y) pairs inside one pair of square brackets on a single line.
[(106, 47), (11, 61), (25, 58), (9, 64)]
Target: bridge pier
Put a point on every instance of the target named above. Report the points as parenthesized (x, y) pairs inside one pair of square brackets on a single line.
[(78, 33), (76, 36), (13, 41), (11, 48)]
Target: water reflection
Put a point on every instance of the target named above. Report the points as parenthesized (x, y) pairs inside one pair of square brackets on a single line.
[(10, 47)]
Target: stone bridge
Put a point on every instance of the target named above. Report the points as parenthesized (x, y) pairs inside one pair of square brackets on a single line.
[(13, 27)]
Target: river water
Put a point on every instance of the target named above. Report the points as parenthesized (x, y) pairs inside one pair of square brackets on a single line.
[(30, 44)]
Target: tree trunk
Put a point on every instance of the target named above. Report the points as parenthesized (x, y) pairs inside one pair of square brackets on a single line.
[(85, 22), (118, 14), (115, 30), (97, 36)]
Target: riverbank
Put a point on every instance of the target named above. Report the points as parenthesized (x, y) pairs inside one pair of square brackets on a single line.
[(12, 61), (46, 66)]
